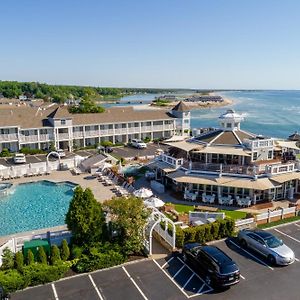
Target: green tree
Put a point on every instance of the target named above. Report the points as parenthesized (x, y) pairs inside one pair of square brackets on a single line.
[(30, 258), (129, 219), (55, 255), (85, 217), (65, 251), (7, 259), (19, 261), (41, 256)]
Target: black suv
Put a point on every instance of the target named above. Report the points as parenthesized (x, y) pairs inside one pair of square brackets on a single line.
[(216, 267)]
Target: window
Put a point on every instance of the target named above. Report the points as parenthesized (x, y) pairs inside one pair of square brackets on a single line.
[(63, 122), (270, 154), (254, 155), (186, 121), (228, 125)]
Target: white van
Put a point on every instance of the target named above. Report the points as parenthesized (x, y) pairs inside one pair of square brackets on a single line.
[(19, 158), (138, 144)]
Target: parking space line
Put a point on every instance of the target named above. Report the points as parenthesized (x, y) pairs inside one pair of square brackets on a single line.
[(179, 287), (259, 260), (95, 287), (178, 271), (296, 224), (54, 291), (37, 158), (188, 281), (135, 284), (242, 277), (292, 238), (167, 262), (210, 288)]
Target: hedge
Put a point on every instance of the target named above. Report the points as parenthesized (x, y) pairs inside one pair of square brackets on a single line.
[(205, 233)]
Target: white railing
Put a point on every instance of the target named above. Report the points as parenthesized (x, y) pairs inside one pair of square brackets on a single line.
[(46, 137), (244, 222), (8, 137), (276, 213), (92, 133), (158, 127), (146, 128), (164, 234), (134, 129), (63, 136), (77, 134), (169, 126), (30, 138)]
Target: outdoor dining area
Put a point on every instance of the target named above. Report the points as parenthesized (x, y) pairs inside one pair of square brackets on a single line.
[(149, 199)]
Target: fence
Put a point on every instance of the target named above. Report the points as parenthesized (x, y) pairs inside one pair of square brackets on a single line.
[(267, 217)]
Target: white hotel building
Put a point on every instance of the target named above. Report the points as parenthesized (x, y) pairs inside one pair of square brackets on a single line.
[(37, 128)]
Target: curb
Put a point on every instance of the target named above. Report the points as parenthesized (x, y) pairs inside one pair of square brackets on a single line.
[(281, 225)]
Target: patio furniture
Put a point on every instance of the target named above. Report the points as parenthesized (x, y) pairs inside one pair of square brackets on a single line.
[(190, 196), (143, 193)]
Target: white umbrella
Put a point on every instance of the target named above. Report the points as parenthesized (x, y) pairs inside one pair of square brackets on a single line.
[(143, 193), (154, 202), (120, 168)]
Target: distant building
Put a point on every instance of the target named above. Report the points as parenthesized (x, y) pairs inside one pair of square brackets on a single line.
[(22, 98)]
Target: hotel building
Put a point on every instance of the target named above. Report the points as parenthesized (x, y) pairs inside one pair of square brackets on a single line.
[(230, 166), (38, 128)]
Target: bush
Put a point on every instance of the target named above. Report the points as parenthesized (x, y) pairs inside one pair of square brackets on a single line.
[(41, 256), (26, 150), (30, 258), (41, 273), (12, 280), (7, 259), (76, 251), (97, 260), (64, 251), (5, 153), (205, 233), (19, 261), (106, 144), (55, 255)]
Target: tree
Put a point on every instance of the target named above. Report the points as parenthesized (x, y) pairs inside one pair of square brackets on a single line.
[(30, 258), (19, 261), (129, 217), (7, 259), (85, 217), (41, 256), (55, 255), (65, 251)]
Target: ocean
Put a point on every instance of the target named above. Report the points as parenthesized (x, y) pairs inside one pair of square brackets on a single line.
[(269, 113)]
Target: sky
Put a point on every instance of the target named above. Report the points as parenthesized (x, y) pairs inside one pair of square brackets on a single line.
[(205, 44)]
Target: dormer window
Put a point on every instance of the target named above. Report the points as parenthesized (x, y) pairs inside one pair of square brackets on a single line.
[(228, 125), (63, 122)]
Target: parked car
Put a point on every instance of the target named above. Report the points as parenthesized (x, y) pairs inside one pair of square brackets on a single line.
[(138, 144), (268, 245), (215, 266), (19, 158), (59, 153), (105, 149)]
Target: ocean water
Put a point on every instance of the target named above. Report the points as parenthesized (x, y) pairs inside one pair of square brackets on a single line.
[(269, 113)]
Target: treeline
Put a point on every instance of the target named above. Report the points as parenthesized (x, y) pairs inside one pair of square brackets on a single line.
[(60, 93)]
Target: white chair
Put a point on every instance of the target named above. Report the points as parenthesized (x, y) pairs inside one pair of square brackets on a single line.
[(204, 197)]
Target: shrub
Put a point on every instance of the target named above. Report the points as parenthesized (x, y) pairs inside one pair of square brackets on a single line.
[(64, 251), (30, 151), (55, 255), (7, 259), (41, 256), (5, 153), (179, 237), (76, 251), (30, 258), (19, 261), (42, 273), (12, 280), (106, 144)]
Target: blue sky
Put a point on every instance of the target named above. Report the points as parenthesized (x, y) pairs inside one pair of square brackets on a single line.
[(190, 44)]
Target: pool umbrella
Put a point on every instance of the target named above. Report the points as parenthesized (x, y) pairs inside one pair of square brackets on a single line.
[(143, 193), (154, 202), (120, 168)]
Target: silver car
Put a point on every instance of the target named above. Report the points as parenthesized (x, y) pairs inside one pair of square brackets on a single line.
[(267, 245)]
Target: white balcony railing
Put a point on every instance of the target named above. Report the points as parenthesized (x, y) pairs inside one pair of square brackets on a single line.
[(63, 136), (158, 127), (8, 137), (92, 133), (30, 138), (77, 134), (281, 168), (175, 162), (46, 137)]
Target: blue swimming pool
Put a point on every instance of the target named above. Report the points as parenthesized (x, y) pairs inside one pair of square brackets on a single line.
[(35, 205)]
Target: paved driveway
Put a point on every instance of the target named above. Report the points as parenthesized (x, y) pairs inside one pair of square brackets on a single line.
[(171, 278)]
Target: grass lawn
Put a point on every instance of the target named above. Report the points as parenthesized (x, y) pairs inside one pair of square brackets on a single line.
[(233, 214), (284, 221)]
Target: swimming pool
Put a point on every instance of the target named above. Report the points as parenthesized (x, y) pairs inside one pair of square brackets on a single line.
[(35, 205), (132, 169)]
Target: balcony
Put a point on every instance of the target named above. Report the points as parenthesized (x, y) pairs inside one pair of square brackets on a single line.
[(77, 134), (120, 130), (133, 129), (46, 137), (28, 139), (8, 137), (158, 128), (282, 168), (146, 128), (92, 133), (63, 136), (169, 126), (175, 162)]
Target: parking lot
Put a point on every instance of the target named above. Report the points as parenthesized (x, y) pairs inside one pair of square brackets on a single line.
[(171, 278)]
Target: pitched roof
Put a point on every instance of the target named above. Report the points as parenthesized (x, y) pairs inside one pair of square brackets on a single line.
[(59, 112), (180, 106)]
